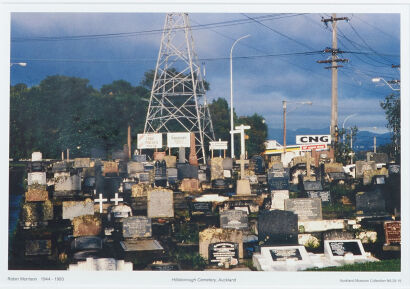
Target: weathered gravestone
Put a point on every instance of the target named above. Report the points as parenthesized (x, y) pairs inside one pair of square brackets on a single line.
[(362, 166), (160, 203), (336, 176), (222, 252), (134, 168), (140, 190), (305, 208), (72, 209), (370, 203), (378, 158), (82, 162), (227, 163), (119, 211), (36, 178), (312, 186), (277, 227), (38, 247), (36, 193), (62, 166), (251, 205), (136, 227), (234, 219), (172, 175), (37, 212), (190, 185), (323, 195), (277, 184), (86, 243), (110, 169), (217, 235), (257, 165), (243, 187), (64, 181), (139, 158), (87, 226), (159, 156), (278, 199), (171, 161), (392, 232), (217, 170)]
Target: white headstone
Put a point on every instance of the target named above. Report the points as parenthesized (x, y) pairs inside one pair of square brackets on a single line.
[(36, 157), (37, 178), (278, 199)]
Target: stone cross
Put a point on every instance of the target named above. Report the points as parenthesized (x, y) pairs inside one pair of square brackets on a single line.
[(116, 199), (100, 200), (241, 129)]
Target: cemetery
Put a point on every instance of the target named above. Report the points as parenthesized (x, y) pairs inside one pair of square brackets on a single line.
[(159, 213)]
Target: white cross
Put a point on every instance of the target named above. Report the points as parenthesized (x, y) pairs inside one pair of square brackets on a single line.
[(241, 129), (100, 200), (116, 199)]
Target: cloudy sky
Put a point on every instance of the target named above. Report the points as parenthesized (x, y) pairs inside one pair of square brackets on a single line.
[(277, 62)]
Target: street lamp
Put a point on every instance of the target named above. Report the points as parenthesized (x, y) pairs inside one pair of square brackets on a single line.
[(284, 102), (343, 126), (22, 64), (378, 79), (232, 134)]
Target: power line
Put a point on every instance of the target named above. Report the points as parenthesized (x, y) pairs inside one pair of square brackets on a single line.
[(375, 27), (148, 32)]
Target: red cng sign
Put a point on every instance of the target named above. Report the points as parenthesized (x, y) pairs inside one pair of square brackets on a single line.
[(313, 139), (313, 146)]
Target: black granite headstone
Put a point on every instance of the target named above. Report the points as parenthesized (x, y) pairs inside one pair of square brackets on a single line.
[(277, 227), (187, 171), (201, 208), (341, 248), (222, 252), (111, 186), (86, 243), (257, 164), (370, 202), (283, 254), (312, 186), (277, 184), (136, 227)]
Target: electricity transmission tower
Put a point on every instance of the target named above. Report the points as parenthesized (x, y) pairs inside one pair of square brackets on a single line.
[(178, 101)]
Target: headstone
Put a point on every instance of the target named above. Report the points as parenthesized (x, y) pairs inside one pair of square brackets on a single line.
[(190, 185), (87, 226), (86, 243), (392, 232), (306, 209), (378, 158), (164, 267), (227, 174), (72, 209), (140, 158), (37, 212), (379, 180), (36, 157), (337, 176), (227, 163), (144, 177), (120, 211), (312, 186), (62, 166), (171, 161), (218, 235), (217, 170), (119, 155), (278, 199), (276, 184), (362, 166), (252, 205), (172, 175), (323, 195), (101, 264), (333, 168), (36, 193), (63, 182), (394, 169), (340, 249), (369, 175), (134, 167), (111, 186), (277, 227), (257, 165), (370, 202), (338, 235), (82, 162), (136, 227), (201, 208), (187, 171), (243, 187), (160, 203), (160, 173), (222, 252), (110, 168), (234, 219), (140, 190), (33, 167), (282, 258), (38, 178), (37, 247), (159, 156)]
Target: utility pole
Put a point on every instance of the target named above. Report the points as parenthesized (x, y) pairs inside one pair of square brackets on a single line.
[(374, 144), (284, 126), (334, 66)]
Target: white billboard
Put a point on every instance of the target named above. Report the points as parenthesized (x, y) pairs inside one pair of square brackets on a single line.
[(149, 141), (313, 139), (178, 139), (218, 145)]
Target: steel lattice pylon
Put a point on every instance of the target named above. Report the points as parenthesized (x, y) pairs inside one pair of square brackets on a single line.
[(178, 101)]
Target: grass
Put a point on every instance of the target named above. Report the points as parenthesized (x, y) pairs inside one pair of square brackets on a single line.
[(392, 265)]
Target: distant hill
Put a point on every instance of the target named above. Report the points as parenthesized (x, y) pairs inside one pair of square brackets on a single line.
[(363, 141)]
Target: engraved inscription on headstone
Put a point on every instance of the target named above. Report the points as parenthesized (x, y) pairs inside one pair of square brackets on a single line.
[(323, 195), (136, 227), (285, 254), (234, 219), (342, 248), (160, 204), (392, 231), (223, 252), (201, 207), (306, 209)]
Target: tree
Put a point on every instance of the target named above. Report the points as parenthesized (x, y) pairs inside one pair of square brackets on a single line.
[(255, 143), (343, 151), (391, 106)]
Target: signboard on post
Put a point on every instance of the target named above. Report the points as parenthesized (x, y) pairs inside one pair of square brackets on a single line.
[(313, 146), (178, 139), (149, 141), (313, 139), (218, 145)]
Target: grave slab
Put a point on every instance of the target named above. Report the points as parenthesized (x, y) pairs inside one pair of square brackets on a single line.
[(218, 235), (136, 227), (72, 209), (86, 226), (306, 209), (160, 203), (278, 199), (234, 219), (36, 178)]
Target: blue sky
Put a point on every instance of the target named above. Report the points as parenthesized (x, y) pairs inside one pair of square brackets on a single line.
[(260, 83)]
